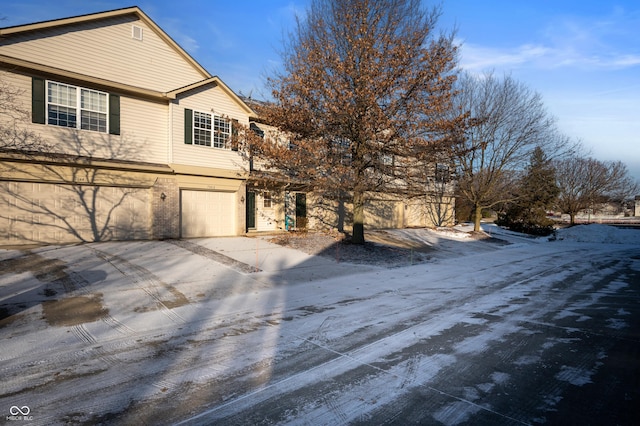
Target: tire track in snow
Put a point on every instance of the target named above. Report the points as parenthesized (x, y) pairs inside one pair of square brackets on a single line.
[(81, 332), (143, 279)]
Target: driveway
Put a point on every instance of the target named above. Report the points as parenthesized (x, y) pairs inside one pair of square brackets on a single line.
[(241, 331)]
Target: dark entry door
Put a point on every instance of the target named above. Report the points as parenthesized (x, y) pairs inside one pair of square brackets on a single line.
[(251, 210), (301, 210)]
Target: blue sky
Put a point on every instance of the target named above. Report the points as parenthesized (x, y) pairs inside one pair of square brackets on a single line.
[(582, 56)]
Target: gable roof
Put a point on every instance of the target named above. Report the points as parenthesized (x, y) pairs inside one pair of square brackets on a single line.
[(139, 14), (216, 82), (134, 10)]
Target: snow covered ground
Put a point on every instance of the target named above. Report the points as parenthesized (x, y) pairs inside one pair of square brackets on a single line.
[(162, 332)]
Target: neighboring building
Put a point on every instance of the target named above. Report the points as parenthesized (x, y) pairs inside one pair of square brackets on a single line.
[(117, 133), (132, 135), (636, 211), (290, 205)]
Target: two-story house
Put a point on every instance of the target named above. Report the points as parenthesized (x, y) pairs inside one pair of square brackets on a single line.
[(111, 131), (114, 132)]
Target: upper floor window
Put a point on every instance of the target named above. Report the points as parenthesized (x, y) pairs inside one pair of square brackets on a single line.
[(442, 173), (205, 129), (201, 128), (65, 105), (221, 132), (77, 107)]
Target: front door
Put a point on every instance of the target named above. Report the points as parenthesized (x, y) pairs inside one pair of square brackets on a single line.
[(301, 210), (251, 210)]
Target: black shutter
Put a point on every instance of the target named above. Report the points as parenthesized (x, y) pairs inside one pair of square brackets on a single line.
[(38, 104), (114, 114), (188, 126)]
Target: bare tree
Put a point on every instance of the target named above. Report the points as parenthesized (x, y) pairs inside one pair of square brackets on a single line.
[(507, 122), (584, 182), (361, 98)]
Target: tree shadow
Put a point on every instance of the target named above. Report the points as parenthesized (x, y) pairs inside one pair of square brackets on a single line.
[(83, 192)]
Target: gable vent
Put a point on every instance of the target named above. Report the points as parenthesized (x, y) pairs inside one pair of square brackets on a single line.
[(136, 32)]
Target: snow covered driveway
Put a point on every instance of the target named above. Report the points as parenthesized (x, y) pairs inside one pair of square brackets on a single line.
[(188, 332)]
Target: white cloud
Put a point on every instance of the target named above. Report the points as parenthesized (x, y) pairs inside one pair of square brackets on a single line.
[(477, 58), (604, 43), (172, 27), (187, 43)]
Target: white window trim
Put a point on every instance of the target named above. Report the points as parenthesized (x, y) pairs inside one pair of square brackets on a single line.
[(213, 130), (267, 197), (195, 128), (78, 106)]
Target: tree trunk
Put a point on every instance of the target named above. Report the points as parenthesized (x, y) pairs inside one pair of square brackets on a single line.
[(358, 218), (572, 218), (477, 218)]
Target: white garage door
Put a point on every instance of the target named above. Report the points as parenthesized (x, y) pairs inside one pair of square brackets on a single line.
[(208, 214), (50, 213)]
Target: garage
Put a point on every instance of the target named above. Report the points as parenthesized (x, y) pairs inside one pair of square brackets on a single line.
[(56, 213), (208, 213)]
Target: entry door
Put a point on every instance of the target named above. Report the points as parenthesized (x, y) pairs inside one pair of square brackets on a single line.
[(301, 210), (251, 210)]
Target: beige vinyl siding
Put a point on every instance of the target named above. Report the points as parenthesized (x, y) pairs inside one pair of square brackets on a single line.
[(214, 101), (273, 135), (143, 135), (145, 126), (143, 129), (107, 50)]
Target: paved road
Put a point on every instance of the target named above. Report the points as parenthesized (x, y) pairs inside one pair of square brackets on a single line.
[(526, 334)]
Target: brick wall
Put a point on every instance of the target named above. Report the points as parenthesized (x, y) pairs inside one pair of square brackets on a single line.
[(165, 205)]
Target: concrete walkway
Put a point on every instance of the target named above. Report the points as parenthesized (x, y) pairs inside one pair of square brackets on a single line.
[(273, 262)]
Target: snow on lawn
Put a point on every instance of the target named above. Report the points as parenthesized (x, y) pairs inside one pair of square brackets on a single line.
[(596, 233)]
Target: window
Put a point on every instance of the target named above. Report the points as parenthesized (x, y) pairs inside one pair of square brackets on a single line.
[(65, 103), (442, 173), (221, 132), (387, 160), (205, 129), (93, 110), (61, 105), (201, 128), (267, 200)]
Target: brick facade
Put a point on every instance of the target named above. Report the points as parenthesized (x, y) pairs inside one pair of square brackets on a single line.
[(165, 205)]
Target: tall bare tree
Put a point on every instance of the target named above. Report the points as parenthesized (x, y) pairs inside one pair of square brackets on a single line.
[(507, 122), (361, 96), (584, 182)]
